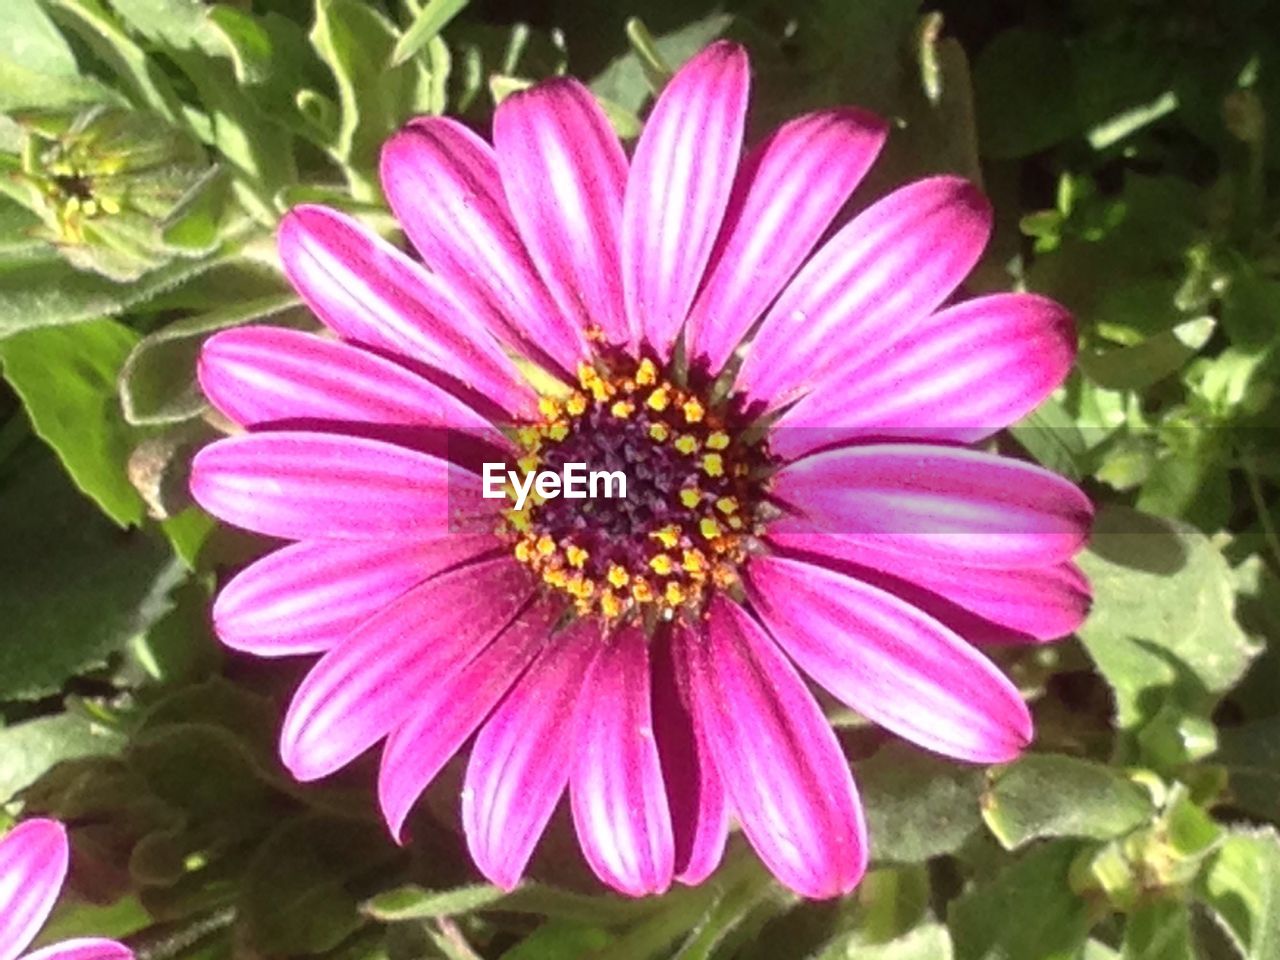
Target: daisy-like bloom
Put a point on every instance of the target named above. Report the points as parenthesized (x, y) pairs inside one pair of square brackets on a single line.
[(801, 509), (33, 865)]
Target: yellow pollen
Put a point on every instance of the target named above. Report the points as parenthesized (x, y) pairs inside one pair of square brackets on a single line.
[(549, 407), (718, 440), (610, 605), (576, 405), (693, 411), (623, 409), (555, 577), (690, 497), (674, 594), (558, 431), (529, 437), (713, 465), (528, 463), (618, 576), (708, 527), (727, 505), (659, 432), (646, 373), (661, 564), (686, 444), (523, 553), (694, 561), (659, 399), (641, 591), (519, 521), (668, 536), (546, 546), (576, 555)]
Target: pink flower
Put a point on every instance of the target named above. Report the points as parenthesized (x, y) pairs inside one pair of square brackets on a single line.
[(818, 520), (33, 865)]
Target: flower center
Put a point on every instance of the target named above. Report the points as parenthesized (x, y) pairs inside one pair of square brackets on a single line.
[(693, 488)]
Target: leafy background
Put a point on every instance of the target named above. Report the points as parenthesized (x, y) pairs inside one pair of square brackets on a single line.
[(1132, 150)]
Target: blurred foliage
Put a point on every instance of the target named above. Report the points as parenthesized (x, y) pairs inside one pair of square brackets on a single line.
[(1132, 150)]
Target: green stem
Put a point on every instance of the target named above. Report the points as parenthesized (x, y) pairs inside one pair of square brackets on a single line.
[(179, 939), (1269, 532)]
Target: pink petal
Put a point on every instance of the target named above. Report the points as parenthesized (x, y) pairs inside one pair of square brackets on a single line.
[(1041, 603), (258, 375), (302, 486), (890, 662), (681, 178), (936, 503), (442, 182), (366, 290), (782, 767), (87, 948), (618, 797), (695, 793), (520, 762), (960, 376), (363, 688), (449, 711), (564, 173), (867, 287), (789, 190), (308, 597), (33, 865)]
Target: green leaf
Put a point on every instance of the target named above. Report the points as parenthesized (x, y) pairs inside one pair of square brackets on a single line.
[(76, 587), (356, 42), (44, 291), (625, 82), (1051, 436), (917, 806), (146, 82), (929, 941), (31, 748), (1048, 795), (431, 19), (157, 382), (1163, 622), (1139, 366), (1159, 931), (1024, 98), (1028, 912), (295, 898), (559, 940), (37, 67), (1242, 887), (66, 377)]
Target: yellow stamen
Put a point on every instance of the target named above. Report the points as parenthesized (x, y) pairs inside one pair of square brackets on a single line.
[(661, 564), (659, 432), (686, 444), (618, 576), (693, 411), (647, 373), (718, 440), (659, 399), (713, 465)]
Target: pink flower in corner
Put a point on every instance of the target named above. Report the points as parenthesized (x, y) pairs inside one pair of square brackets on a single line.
[(801, 510), (33, 866)]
